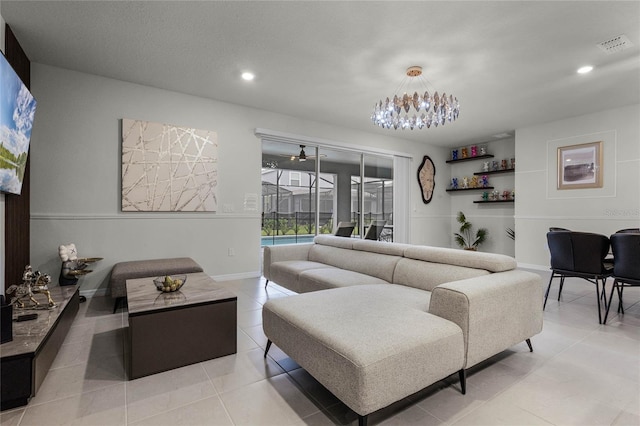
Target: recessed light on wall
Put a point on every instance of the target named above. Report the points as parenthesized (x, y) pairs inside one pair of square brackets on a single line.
[(248, 76), (584, 70)]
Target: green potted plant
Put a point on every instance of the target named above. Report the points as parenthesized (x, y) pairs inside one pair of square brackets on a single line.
[(465, 238)]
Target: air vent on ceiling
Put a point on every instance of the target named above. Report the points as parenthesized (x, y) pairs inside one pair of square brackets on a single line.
[(616, 44)]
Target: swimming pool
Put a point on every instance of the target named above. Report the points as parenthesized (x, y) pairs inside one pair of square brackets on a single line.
[(286, 239)]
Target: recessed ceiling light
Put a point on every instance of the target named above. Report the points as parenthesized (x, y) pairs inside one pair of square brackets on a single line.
[(585, 69), (248, 76)]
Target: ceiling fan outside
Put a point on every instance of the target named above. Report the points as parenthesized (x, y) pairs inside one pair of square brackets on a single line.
[(302, 156)]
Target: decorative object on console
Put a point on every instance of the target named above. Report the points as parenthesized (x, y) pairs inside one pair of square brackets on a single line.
[(6, 324), (454, 183), (454, 154), (474, 150), (464, 238), (485, 166), (32, 283), (580, 166), (168, 168), (426, 179), (72, 266), (485, 181), (464, 152), (433, 108)]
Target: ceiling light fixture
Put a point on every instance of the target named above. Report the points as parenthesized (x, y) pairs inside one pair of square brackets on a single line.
[(248, 76), (430, 109), (584, 70)]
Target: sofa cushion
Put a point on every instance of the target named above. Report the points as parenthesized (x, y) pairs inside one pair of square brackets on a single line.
[(426, 275), (471, 259), (287, 272), (325, 278), (374, 264), (333, 241), (393, 249), (370, 345)]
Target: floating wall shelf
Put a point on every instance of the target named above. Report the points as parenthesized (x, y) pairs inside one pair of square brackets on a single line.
[(477, 157), (494, 172), (469, 189)]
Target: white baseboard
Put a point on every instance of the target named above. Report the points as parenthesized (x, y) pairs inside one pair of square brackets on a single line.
[(241, 276), (532, 266), (95, 292)]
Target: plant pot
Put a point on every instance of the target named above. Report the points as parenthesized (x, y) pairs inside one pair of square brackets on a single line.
[(471, 248)]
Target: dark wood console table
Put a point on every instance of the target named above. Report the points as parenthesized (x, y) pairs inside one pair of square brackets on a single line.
[(25, 360)]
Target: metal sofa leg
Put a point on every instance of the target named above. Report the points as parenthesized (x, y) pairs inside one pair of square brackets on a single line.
[(266, 350), (266, 284), (462, 374), (529, 344), (362, 420)]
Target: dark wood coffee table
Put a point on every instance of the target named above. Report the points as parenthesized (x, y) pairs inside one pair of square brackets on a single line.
[(171, 330)]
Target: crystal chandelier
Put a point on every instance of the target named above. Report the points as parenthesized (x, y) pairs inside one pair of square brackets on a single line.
[(428, 109)]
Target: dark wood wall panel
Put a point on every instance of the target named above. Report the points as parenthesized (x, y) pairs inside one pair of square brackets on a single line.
[(17, 207)]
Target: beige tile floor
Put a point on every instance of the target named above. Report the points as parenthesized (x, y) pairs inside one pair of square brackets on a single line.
[(580, 373)]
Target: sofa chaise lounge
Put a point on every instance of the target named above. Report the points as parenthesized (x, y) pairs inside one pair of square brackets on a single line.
[(381, 321)]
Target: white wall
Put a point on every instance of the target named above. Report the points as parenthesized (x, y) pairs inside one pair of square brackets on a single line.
[(540, 205), (75, 177)]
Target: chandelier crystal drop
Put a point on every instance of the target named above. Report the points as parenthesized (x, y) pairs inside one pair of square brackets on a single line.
[(415, 111)]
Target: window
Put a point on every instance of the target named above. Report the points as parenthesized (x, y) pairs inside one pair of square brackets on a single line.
[(294, 178)]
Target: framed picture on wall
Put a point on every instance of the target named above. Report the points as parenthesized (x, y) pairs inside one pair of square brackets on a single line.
[(580, 166)]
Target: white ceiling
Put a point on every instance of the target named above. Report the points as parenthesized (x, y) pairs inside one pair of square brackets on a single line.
[(511, 64)]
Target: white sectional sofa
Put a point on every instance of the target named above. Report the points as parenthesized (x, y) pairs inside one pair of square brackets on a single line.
[(381, 321)]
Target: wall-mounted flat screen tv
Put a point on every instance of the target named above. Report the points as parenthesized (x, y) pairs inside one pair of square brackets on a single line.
[(17, 108)]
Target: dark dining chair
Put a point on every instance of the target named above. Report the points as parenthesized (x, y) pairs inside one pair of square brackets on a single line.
[(629, 231), (345, 229), (579, 255), (555, 229), (626, 266)]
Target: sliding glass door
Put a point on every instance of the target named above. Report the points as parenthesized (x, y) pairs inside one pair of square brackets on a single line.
[(310, 190)]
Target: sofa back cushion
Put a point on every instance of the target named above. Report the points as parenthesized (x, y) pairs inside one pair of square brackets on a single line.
[(374, 264), (393, 249), (470, 259), (427, 275)]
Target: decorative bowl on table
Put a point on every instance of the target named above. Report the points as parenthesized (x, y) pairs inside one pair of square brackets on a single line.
[(169, 283)]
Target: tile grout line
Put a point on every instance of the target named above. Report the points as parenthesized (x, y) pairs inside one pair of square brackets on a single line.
[(224, 406)]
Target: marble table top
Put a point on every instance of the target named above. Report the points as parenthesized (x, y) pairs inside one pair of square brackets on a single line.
[(200, 288), (27, 335)]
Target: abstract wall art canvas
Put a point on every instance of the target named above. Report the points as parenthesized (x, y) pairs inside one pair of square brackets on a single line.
[(168, 168)]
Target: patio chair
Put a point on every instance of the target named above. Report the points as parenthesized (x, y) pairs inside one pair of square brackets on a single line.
[(579, 255), (345, 229), (375, 229), (626, 269)]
